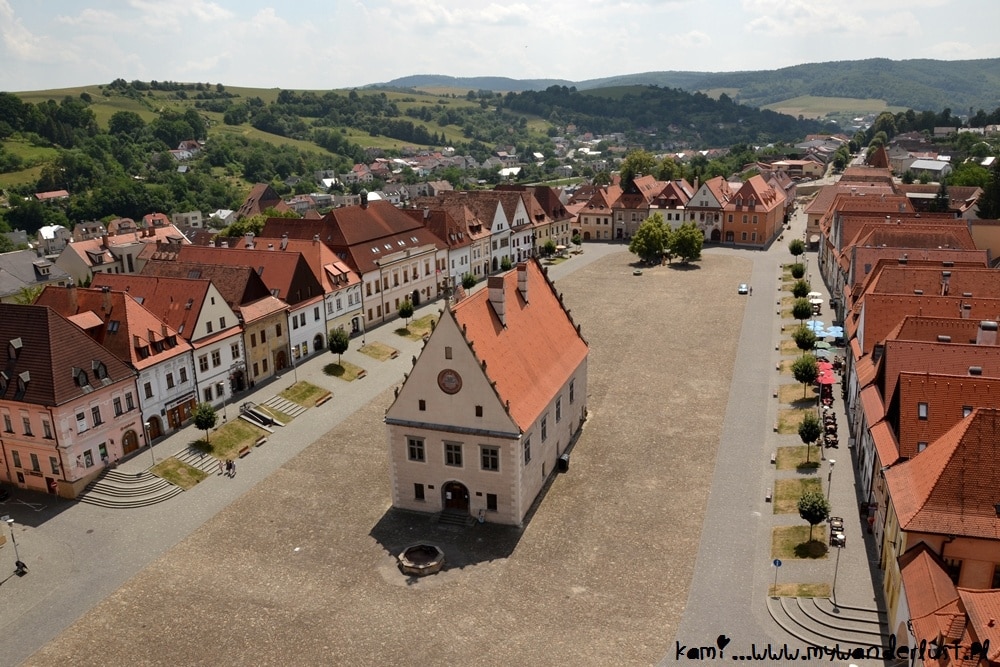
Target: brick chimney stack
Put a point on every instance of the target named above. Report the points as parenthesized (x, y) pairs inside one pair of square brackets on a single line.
[(495, 286)]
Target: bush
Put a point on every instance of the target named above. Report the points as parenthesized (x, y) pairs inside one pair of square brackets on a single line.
[(798, 270)]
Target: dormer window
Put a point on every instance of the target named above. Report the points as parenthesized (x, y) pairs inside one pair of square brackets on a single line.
[(100, 370), (14, 348), (22, 385), (4, 380), (80, 377)]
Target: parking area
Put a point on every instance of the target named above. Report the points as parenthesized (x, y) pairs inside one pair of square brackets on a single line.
[(300, 569)]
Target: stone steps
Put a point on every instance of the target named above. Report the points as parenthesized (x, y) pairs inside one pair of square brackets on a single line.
[(818, 622), (453, 518), (284, 405)]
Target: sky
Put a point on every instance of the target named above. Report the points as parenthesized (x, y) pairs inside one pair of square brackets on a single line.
[(335, 44)]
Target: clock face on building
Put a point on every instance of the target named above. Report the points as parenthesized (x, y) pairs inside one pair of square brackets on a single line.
[(450, 381)]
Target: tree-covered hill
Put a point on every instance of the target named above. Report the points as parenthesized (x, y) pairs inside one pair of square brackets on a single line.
[(922, 84)]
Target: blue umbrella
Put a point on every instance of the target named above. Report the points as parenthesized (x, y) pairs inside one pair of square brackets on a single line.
[(835, 332), (815, 325)]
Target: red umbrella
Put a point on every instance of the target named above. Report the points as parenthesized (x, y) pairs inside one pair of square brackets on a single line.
[(824, 366), (826, 378)]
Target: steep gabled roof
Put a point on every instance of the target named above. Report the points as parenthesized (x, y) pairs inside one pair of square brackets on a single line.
[(951, 487), (262, 197), (176, 301), (39, 350), (238, 285), (118, 322), (983, 610), (534, 354)]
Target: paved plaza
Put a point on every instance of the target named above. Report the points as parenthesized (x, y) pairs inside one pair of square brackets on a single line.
[(293, 561)]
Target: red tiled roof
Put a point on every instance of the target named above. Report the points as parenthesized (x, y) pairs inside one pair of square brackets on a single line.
[(883, 312), (118, 322), (261, 308), (983, 609), (885, 443), (950, 488), (237, 284), (925, 580), (50, 347), (166, 298), (535, 354)]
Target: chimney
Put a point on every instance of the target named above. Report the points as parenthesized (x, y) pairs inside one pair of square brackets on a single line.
[(71, 293), (270, 246), (248, 240), (104, 240), (945, 281), (364, 199), (106, 298), (284, 241), (987, 333), (315, 239), (495, 286), (522, 280), (965, 310)]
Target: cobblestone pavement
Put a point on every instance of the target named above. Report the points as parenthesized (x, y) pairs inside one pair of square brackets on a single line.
[(297, 567)]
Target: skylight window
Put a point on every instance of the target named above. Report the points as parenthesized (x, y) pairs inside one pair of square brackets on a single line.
[(113, 326)]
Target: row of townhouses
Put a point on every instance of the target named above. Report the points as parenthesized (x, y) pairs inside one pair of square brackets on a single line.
[(920, 301)]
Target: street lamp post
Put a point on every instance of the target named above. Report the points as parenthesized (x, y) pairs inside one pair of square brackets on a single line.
[(836, 568), (20, 568), (829, 479), (149, 441)]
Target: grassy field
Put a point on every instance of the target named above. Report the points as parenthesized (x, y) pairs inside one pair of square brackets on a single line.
[(811, 106)]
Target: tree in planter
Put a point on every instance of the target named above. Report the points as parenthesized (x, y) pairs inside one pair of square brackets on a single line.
[(804, 338), (406, 311), (205, 417), (809, 431), (577, 240), (338, 342), (801, 288), (797, 247), (468, 281), (798, 270), (802, 310), (814, 508), (506, 264), (549, 248), (806, 370)]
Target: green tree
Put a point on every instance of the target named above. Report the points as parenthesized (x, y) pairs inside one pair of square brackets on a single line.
[(798, 270), (468, 281), (506, 264), (637, 163), (801, 288), (809, 431), (804, 338), (338, 341), (814, 508), (805, 370), (27, 294), (989, 201), (941, 200), (205, 417), (802, 309), (650, 240), (406, 310), (549, 248), (797, 247), (577, 240), (686, 242)]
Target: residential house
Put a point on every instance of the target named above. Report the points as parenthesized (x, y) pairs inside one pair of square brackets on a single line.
[(286, 274), (396, 257), (495, 399), (671, 202), (596, 216), (705, 207), (188, 219), (262, 315), (452, 234), (261, 198), (946, 499), (23, 272), (120, 253), (163, 360), (52, 239), (632, 206), (60, 394), (197, 311), (755, 214)]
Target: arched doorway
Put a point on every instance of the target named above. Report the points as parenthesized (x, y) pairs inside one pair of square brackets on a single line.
[(130, 442), (730, 237), (415, 298), (586, 236), (496, 265), (155, 428), (716, 235), (455, 497), (280, 360), (318, 342)]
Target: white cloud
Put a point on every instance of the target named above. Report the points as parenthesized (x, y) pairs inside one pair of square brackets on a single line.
[(24, 45)]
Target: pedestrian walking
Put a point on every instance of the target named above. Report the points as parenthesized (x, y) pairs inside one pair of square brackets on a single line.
[(234, 468), (229, 467), (222, 467), (751, 290)]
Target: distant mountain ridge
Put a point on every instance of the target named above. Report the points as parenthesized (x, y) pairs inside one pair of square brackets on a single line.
[(920, 85)]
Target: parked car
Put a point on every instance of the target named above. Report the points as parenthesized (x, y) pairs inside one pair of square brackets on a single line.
[(743, 289), (837, 537)]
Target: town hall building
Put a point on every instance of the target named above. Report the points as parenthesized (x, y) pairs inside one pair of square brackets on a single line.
[(496, 396)]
